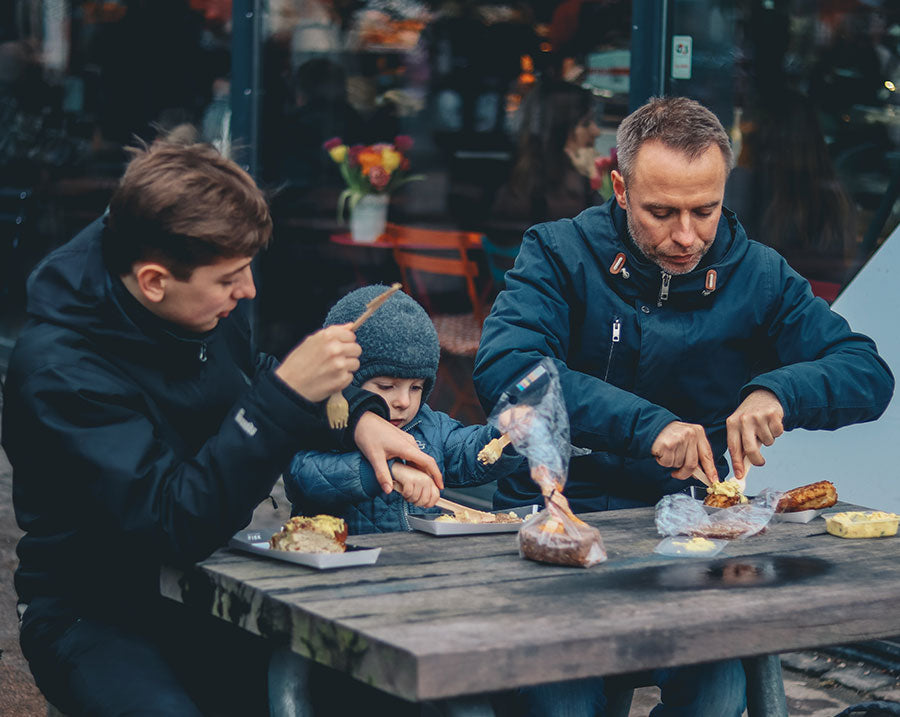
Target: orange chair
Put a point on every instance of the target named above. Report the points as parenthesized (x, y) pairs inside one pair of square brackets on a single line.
[(445, 252)]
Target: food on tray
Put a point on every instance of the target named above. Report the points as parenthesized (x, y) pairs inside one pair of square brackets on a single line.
[(478, 517), (724, 494), (862, 524), (814, 496), (318, 534)]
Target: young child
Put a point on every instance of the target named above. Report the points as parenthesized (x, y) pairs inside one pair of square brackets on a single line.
[(399, 362)]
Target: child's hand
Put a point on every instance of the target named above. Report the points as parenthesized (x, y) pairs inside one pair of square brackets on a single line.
[(379, 441), (322, 364), (414, 485)]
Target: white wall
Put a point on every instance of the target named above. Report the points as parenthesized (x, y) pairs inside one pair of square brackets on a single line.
[(863, 461)]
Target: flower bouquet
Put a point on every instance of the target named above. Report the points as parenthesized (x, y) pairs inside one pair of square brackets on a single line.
[(376, 169)]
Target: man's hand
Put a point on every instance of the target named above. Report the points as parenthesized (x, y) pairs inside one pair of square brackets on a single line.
[(378, 440), (758, 420), (324, 363), (684, 447), (414, 485)]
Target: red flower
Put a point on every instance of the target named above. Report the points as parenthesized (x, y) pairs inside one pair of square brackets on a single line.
[(403, 142), (353, 154), (378, 177), (332, 143)]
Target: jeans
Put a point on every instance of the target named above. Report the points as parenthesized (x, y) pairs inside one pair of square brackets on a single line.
[(715, 689), (169, 664)]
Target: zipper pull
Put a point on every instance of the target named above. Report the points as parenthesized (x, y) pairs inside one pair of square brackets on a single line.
[(664, 288), (616, 331), (202, 354)]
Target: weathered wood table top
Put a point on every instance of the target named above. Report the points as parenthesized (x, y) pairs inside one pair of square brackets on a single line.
[(440, 617)]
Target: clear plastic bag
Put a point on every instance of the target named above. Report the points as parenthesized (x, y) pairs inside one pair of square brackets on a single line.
[(679, 514), (533, 414)]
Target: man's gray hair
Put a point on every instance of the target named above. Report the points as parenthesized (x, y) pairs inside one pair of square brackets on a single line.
[(679, 123)]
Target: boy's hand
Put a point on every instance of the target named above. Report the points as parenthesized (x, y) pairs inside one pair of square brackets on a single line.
[(414, 485), (378, 440), (324, 363)]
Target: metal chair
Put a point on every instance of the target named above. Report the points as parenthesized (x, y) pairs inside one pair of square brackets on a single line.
[(444, 253)]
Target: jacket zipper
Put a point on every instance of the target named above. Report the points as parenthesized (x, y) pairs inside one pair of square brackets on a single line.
[(616, 337), (202, 354), (404, 514), (664, 288)]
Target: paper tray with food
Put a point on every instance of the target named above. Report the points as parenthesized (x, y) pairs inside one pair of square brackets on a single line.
[(444, 525), (252, 541)]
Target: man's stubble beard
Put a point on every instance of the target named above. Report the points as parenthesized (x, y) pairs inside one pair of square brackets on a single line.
[(638, 239)]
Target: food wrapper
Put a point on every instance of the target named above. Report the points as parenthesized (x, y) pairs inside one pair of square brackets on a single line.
[(679, 514), (533, 414)]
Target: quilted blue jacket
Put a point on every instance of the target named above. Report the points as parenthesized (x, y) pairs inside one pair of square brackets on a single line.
[(344, 484), (637, 348)]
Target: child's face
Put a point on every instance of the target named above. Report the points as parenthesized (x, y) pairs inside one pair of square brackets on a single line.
[(402, 395)]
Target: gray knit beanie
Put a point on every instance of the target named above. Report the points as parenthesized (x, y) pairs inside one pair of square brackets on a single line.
[(398, 340)]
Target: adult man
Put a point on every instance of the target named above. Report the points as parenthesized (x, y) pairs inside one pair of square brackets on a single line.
[(142, 427), (675, 336)]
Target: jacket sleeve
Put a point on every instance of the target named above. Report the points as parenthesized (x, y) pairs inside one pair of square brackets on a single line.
[(828, 376), (163, 498), (329, 479), (531, 320), (461, 446)]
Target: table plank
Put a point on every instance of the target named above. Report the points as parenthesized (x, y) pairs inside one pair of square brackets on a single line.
[(442, 617)]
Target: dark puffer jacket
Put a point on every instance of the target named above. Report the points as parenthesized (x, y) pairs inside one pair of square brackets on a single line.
[(344, 484), (133, 444), (637, 348)]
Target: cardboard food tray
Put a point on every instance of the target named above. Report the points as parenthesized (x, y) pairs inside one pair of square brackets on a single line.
[(428, 524), (800, 516), (252, 541)]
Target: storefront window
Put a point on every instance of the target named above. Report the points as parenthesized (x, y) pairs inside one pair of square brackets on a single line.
[(79, 81), (507, 104), (808, 90)]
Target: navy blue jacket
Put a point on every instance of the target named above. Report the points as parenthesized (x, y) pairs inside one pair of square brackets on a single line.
[(132, 443), (637, 349), (344, 484)]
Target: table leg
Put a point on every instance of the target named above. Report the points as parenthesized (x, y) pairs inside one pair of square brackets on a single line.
[(289, 685), (765, 687)]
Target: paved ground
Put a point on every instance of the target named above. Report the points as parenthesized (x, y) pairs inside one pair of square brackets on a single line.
[(816, 685)]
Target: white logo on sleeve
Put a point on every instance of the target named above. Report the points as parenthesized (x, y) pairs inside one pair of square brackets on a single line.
[(247, 426)]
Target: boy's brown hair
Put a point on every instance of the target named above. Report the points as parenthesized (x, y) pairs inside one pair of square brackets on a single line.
[(184, 205)]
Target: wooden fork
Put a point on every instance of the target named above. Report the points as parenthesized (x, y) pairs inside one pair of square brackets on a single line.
[(460, 510), (337, 409), (492, 450)]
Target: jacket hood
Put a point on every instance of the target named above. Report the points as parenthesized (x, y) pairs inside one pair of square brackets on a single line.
[(633, 276), (71, 287)]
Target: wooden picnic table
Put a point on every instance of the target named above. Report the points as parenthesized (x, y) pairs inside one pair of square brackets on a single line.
[(443, 617)]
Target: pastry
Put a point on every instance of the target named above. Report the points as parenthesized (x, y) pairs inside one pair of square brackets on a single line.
[(808, 497), (317, 534)]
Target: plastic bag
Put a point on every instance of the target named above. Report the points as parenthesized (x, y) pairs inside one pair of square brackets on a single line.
[(679, 514), (533, 414)]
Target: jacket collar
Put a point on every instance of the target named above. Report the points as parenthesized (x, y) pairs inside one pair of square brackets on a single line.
[(634, 277)]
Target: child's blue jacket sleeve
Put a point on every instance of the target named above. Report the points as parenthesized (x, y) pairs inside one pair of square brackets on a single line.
[(461, 445), (329, 478)]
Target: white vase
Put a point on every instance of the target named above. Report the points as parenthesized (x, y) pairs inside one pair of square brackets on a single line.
[(368, 217)]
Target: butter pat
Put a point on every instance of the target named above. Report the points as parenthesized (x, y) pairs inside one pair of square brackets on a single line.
[(695, 545), (862, 524)]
